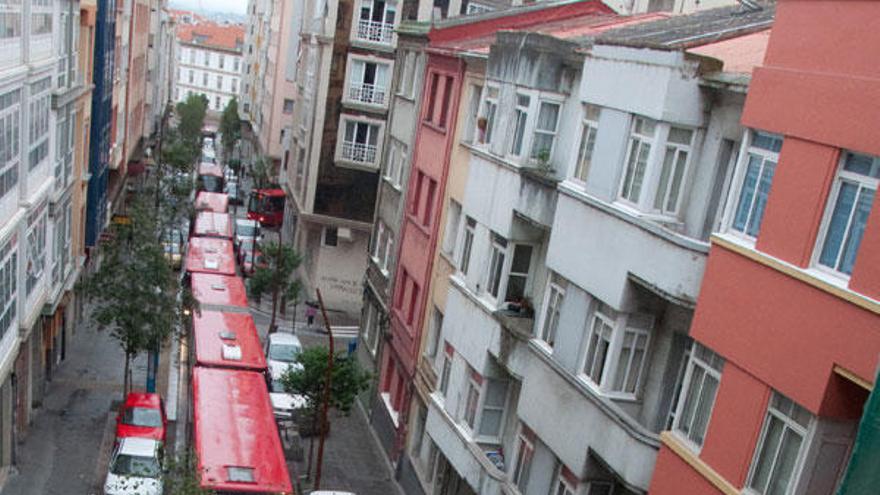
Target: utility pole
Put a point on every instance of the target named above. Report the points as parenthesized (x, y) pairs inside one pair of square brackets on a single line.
[(325, 403)]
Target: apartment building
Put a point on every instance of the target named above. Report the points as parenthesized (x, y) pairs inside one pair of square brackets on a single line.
[(268, 91), (208, 62), (160, 65), (541, 313), (43, 99), (785, 347)]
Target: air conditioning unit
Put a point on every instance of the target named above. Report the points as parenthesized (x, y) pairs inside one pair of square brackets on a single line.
[(344, 234)]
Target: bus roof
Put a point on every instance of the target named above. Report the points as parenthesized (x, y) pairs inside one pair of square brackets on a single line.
[(270, 192), (235, 435), (213, 224), (219, 290), (227, 340), (208, 168), (210, 255), (211, 201)]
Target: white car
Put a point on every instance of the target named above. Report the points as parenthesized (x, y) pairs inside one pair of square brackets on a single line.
[(247, 232), (281, 352), (135, 468)]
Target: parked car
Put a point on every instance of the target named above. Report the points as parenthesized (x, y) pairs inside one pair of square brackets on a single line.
[(233, 192), (246, 232), (135, 468), (172, 243), (142, 415), (281, 351), (250, 258)]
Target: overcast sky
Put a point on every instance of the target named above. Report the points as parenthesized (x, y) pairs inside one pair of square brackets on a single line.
[(234, 6)]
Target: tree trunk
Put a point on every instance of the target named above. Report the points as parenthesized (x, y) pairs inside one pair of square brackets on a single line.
[(312, 443), (274, 310), (125, 378)]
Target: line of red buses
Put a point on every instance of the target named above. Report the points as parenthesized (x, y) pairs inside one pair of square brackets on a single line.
[(234, 432)]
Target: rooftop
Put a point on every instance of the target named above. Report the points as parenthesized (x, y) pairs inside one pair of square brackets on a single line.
[(212, 35)]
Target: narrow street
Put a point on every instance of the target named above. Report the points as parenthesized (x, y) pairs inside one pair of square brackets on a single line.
[(65, 451)]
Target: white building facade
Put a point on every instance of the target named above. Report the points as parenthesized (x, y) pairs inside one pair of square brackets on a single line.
[(39, 83), (208, 61), (562, 347)]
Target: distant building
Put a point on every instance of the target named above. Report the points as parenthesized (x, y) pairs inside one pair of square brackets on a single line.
[(208, 60)]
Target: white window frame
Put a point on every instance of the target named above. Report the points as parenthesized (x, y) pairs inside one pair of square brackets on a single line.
[(8, 286), (789, 425), (589, 131), (554, 297), (36, 248), (677, 149), (504, 295), (395, 162), (10, 115), (562, 486), (467, 245), (435, 326), (637, 139), (483, 407), (453, 222), (623, 324), (370, 332), (520, 121), (378, 243), (374, 32), (488, 110), (862, 183), (733, 198), (520, 473), (406, 84), (711, 366), (445, 374), (380, 91), (495, 275), (552, 133), (379, 131), (473, 389)]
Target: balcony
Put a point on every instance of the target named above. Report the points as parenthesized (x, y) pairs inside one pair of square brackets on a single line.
[(370, 94), (359, 152), (374, 32)]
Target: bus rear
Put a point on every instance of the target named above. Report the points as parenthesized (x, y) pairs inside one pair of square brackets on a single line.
[(267, 207)]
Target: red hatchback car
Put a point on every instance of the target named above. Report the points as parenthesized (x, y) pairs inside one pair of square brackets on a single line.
[(142, 415)]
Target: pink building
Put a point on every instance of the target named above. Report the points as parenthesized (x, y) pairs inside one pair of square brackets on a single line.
[(786, 329)]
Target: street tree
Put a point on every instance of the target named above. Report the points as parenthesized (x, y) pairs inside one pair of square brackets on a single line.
[(261, 173), (191, 116), (230, 127), (181, 475), (273, 275), (134, 290)]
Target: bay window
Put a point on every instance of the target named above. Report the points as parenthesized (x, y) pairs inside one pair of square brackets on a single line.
[(359, 143), (520, 117), (545, 131), (10, 122), (376, 21), (780, 447), (616, 350), (760, 164), (368, 81), (852, 198), (639, 149), (698, 389), (552, 307), (589, 128)]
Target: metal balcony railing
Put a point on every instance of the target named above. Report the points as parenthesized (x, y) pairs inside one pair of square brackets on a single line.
[(376, 32), (367, 93), (359, 152)]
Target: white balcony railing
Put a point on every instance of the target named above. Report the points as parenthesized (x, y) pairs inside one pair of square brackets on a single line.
[(376, 32), (367, 93), (359, 152)]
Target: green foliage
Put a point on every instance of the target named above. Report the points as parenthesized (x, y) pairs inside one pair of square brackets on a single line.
[(348, 379), (261, 173), (191, 116), (134, 291), (182, 476), (230, 127), (273, 275)]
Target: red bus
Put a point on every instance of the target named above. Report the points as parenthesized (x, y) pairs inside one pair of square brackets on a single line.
[(211, 201), (219, 291), (212, 224), (267, 207), (210, 177), (227, 340), (235, 435), (210, 255)]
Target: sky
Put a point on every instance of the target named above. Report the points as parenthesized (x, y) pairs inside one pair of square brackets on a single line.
[(234, 6)]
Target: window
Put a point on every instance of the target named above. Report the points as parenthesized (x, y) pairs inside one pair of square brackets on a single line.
[(288, 106), (217, 105), (492, 411), (545, 131), (369, 82), (518, 277), (432, 101), (498, 251), (852, 197), (383, 247), (406, 76), (447, 97), (589, 128), (8, 285), (521, 115), (360, 142), (486, 122), (395, 162), (475, 8), (220, 82), (523, 464), (427, 216), (640, 140), (370, 332), (453, 220), (221, 61), (39, 123), (378, 241), (564, 485), (235, 64), (472, 399), (434, 328), (192, 56), (616, 351), (41, 23), (376, 21), (191, 76), (36, 247), (234, 85), (330, 237), (780, 446), (550, 321), (467, 244), (205, 79), (447, 368), (672, 174), (761, 158), (10, 122), (700, 384), (10, 24)]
